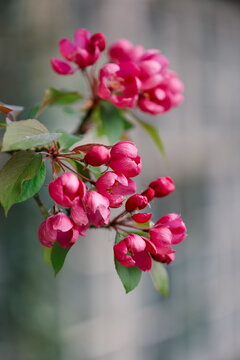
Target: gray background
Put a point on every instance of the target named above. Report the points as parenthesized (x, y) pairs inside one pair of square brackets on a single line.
[(84, 313)]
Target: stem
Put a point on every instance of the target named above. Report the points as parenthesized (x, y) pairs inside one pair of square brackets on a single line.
[(114, 221), (41, 206), (134, 227), (86, 122), (80, 175)]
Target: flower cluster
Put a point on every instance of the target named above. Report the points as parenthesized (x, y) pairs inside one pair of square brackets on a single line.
[(91, 206), (132, 77)]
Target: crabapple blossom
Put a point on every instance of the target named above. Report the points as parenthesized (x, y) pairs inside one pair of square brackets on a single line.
[(162, 186), (167, 258), (119, 84), (60, 228), (136, 246), (79, 216), (97, 155), (84, 51), (175, 225), (66, 188), (125, 159), (97, 207), (114, 186)]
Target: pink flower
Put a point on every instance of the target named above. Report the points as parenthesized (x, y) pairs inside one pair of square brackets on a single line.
[(79, 216), (97, 207), (60, 228), (97, 155), (125, 159), (124, 51), (114, 186), (84, 51), (162, 97), (119, 84), (141, 218), (66, 188), (162, 238), (162, 186), (136, 202), (137, 247), (175, 225)]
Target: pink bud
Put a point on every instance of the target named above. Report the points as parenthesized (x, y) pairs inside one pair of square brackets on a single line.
[(58, 227), (162, 186), (66, 188), (149, 193), (97, 207), (136, 246), (62, 67), (141, 218), (124, 159), (136, 202), (79, 216), (97, 156)]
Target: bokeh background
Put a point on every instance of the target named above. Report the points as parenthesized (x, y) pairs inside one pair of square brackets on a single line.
[(84, 314)]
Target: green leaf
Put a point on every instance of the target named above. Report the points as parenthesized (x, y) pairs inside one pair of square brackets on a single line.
[(159, 277), (152, 131), (32, 186), (25, 134), (67, 140), (33, 111), (129, 277), (113, 121), (58, 97), (58, 256), (22, 166), (47, 255)]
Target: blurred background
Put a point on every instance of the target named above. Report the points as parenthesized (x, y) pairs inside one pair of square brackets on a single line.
[(84, 314)]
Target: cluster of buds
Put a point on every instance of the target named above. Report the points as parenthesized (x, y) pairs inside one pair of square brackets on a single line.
[(88, 203), (132, 77)]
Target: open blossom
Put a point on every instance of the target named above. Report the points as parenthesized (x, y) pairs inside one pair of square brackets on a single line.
[(66, 188), (84, 51), (97, 207), (119, 84), (162, 186), (60, 228), (175, 225), (134, 251), (125, 159), (114, 186), (162, 97), (169, 230), (98, 155)]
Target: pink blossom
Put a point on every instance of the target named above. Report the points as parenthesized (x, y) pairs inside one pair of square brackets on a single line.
[(79, 216), (141, 218), (97, 155), (66, 188), (84, 51), (60, 228), (137, 247), (125, 160), (175, 225), (162, 186), (124, 51), (136, 202), (114, 186), (119, 84), (162, 97), (162, 238), (97, 207)]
